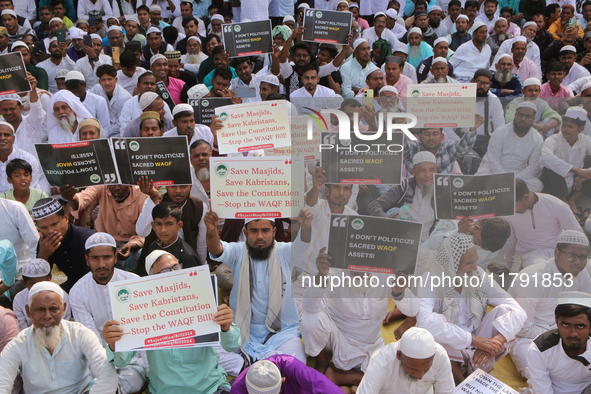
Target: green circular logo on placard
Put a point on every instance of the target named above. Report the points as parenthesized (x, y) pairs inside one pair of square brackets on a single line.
[(221, 170), (237, 28), (318, 14), (205, 103), (123, 295), (165, 96), (223, 116), (357, 224), (134, 146), (345, 142), (416, 93), (458, 182), (95, 178)]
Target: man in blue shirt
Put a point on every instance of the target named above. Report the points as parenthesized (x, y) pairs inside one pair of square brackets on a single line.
[(505, 83)]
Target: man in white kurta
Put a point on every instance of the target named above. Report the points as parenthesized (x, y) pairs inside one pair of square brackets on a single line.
[(95, 104), (539, 302), (87, 68), (379, 31), (115, 99), (57, 61), (28, 128), (66, 112), (471, 55), (19, 229), (531, 48)]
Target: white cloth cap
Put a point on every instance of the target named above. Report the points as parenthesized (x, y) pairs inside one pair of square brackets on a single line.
[(153, 29), (417, 343), (157, 56), (132, 18), (505, 55), (530, 23), (147, 99), (568, 48), (56, 19), (343, 1), (439, 59), (437, 41), (100, 239), (574, 298), (76, 34), (152, 257), (96, 37), (75, 75), (358, 42), (532, 81), (194, 38), (355, 5), (182, 108), (288, 18), (501, 19), (263, 377), (18, 44), (415, 30), (435, 8), (334, 101), (11, 127), (12, 97), (271, 80), (422, 157), (477, 25), (370, 68), (246, 221), (391, 12), (44, 286), (198, 91), (61, 73), (400, 47), (9, 12), (378, 14), (572, 236), (114, 27), (155, 7), (36, 268), (586, 86), (389, 88), (462, 16), (303, 5), (519, 39), (527, 104), (218, 17)]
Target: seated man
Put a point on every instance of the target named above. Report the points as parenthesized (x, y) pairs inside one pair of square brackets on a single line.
[(184, 124), (414, 364), (55, 355), (557, 359), (186, 370), (115, 95), (539, 302), (283, 373), (505, 83), (266, 313), (91, 302), (457, 317), (66, 111), (149, 102), (516, 147), (95, 104)]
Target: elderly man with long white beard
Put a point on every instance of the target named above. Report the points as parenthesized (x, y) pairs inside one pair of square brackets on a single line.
[(55, 356), (505, 83), (194, 56), (418, 50), (455, 310), (415, 364), (67, 112)]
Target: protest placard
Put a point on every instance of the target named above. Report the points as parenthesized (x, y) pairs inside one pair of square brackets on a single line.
[(13, 73), (80, 164), (355, 161), (165, 160), (479, 382), (205, 108), (253, 126), (300, 144), (164, 94), (255, 187), (442, 104), (372, 244), (248, 38), (331, 27), (483, 196), (178, 305)]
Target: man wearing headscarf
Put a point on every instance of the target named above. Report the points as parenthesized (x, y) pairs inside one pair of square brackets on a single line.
[(414, 364), (456, 315), (66, 113), (380, 49)]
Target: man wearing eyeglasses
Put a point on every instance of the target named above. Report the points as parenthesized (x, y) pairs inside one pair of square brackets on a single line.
[(567, 272)]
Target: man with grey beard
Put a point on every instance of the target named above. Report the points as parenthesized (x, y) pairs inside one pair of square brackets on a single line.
[(200, 152), (54, 355), (501, 34), (505, 83), (67, 113), (440, 72)]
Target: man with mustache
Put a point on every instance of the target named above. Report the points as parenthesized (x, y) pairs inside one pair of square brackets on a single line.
[(522, 65), (55, 355), (557, 28), (500, 34), (440, 71), (532, 50), (67, 113), (531, 91), (572, 70), (184, 122), (418, 50), (472, 55), (149, 102), (58, 60), (461, 35), (504, 82), (440, 50)]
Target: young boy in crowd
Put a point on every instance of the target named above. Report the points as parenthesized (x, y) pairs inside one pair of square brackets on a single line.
[(20, 176)]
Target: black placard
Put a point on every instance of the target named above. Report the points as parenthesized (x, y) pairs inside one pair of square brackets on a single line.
[(205, 108), (483, 196), (372, 244), (12, 74), (80, 164), (164, 160), (331, 27), (248, 38), (357, 161), (164, 94)]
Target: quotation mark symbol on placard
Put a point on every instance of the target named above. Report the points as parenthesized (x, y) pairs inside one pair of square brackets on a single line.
[(287, 161), (442, 181)]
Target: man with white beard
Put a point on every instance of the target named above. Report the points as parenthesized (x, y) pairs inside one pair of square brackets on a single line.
[(54, 355), (440, 49), (504, 82), (495, 40), (532, 50), (194, 56), (440, 72), (418, 50), (67, 112)]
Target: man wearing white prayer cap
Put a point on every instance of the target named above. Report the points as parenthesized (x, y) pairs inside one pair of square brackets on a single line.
[(461, 35), (559, 359), (472, 55), (414, 364), (57, 61), (76, 51), (155, 44), (66, 113), (573, 71), (268, 84), (148, 101), (184, 124), (194, 56), (532, 50), (498, 34), (379, 30), (374, 80), (418, 49), (91, 304), (10, 22), (55, 355), (289, 21), (440, 50), (539, 302), (505, 83), (546, 118), (353, 72)]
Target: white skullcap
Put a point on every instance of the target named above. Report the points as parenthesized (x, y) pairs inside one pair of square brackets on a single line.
[(477, 25), (417, 343), (56, 19), (198, 91), (527, 104), (572, 236), (355, 5), (62, 73), (378, 14), (391, 12), (462, 16), (530, 23), (9, 12), (400, 47), (574, 298), (370, 68), (303, 5), (76, 34), (246, 221), (96, 37), (415, 30), (153, 29), (263, 377), (155, 7), (502, 20), (435, 8), (218, 17), (157, 56), (18, 44), (439, 59), (343, 1), (132, 18), (271, 80), (3, 123), (389, 88), (182, 108), (568, 48), (334, 101), (36, 268), (152, 257), (114, 27), (532, 81), (422, 157), (358, 42), (11, 97), (44, 286), (505, 55), (288, 18), (586, 86), (519, 39), (194, 38), (147, 99), (437, 41), (100, 239), (75, 75)]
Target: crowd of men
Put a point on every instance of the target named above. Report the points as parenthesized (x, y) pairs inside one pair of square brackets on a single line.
[(530, 61)]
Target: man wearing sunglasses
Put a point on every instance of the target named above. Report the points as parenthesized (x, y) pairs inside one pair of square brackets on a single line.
[(567, 272)]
